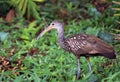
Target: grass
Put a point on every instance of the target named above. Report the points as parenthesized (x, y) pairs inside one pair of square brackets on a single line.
[(23, 59)]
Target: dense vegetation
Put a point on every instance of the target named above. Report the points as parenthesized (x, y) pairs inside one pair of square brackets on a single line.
[(24, 59)]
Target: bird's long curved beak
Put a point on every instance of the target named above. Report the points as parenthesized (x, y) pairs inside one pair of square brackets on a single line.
[(43, 32)]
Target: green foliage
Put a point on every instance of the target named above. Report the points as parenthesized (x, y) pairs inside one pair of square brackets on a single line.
[(117, 9), (3, 36), (28, 7), (50, 63), (4, 6), (106, 36)]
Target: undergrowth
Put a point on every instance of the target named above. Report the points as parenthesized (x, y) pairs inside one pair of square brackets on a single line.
[(25, 59)]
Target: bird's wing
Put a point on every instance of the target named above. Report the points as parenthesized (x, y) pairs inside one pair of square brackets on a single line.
[(87, 44), (99, 45), (78, 44)]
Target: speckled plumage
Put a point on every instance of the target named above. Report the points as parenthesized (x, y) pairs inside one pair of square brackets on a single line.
[(81, 44), (88, 45)]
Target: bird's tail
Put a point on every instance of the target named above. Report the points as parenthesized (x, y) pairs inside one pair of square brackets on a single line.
[(111, 55)]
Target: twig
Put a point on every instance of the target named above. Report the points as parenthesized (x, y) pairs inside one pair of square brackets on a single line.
[(45, 21)]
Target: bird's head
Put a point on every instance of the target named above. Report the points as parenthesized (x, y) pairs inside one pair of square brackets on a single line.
[(54, 25)]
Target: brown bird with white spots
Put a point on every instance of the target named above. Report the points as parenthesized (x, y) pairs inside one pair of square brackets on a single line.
[(81, 44)]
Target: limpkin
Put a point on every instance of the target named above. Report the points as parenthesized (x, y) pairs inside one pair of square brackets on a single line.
[(81, 44)]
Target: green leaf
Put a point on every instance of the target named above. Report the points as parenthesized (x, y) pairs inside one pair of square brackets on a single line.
[(106, 36), (35, 77), (38, 0), (116, 2), (28, 10), (25, 37), (20, 6), (117, 9), (34, 9), (117, 14), (3, 35), (24, 7), (93, 31), (32, 24)]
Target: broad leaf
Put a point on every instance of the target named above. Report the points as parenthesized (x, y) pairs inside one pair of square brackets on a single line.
[(38, 0), (106, 36), (3, 35)]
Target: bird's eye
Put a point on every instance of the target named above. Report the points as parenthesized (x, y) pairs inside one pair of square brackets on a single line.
[(53, 24)]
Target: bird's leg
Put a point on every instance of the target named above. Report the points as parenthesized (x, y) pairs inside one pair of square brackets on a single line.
[(89, 65), (79, 69)]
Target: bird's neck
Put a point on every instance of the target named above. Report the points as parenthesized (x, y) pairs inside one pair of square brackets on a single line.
[(61, 37)]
